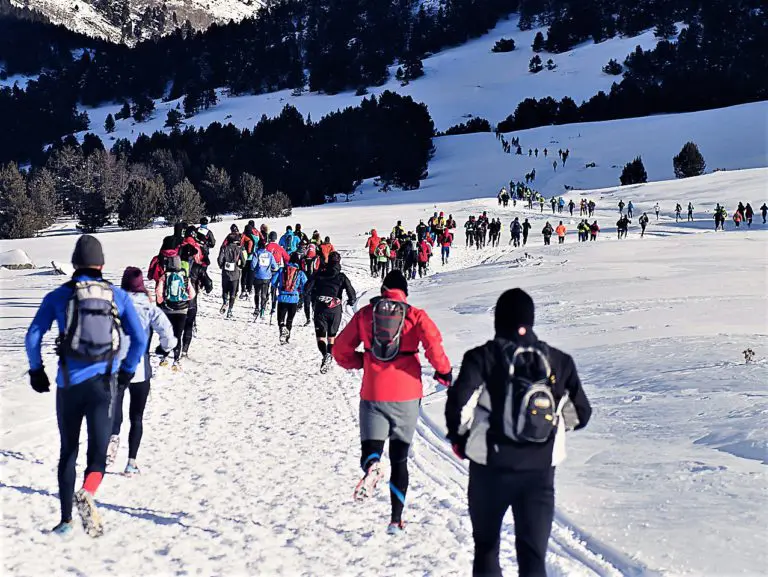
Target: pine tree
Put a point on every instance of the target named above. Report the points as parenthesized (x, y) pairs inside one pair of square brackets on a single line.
[(183, 203), (551, 64), (143, 106), (534, 65), (124, 112), (41, 189), (18, 217), (216, 190), (633, 173), (613, 68), (538, 42), (689, 162), (109, 124), (139, 203), (666, 28), (276, 205), (250, 192), (174, 119), (191, 103), (504, 45)]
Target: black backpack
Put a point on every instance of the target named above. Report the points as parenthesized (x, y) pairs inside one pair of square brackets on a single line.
[(530, 413), (388, 323)]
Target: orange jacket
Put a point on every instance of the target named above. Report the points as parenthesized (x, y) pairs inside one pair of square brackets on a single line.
[(399, 379), (372, 242), (325, 250), (560, 230)]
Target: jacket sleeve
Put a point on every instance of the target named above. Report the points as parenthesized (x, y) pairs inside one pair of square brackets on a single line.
[(211, 239), (309, 287), (41, 324), (576, 393), (159, 290), (344, 349), (351, 294), (432, 341), (220, 260), (133, 328), (463, 395), (162, 326)]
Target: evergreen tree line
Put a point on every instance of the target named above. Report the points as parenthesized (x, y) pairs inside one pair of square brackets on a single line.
[(718, 60), (282, 161)]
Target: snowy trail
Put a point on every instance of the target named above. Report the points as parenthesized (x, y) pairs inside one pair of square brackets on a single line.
[(248, 462)]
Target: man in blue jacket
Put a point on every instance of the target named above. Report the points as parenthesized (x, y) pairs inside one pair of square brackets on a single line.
[(290, 286), (289, 241), (89, 313), (264, 267)]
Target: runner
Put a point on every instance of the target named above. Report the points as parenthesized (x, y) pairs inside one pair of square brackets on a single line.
[(88, 363), (390, 331)]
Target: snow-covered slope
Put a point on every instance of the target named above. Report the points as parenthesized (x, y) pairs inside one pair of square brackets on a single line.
[(469, 80), (86, 17), (249, 457)]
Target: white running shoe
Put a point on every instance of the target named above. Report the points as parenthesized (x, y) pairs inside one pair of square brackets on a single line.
[(367, 485), (114, 445), (89, 515)]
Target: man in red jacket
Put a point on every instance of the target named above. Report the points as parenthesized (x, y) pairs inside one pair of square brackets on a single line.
[(371, 244), (391, 331)]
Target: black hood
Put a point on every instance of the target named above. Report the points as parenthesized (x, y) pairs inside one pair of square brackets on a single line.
[(331, 270)]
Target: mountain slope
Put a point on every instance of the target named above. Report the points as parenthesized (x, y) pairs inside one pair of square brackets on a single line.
[(133, 20)]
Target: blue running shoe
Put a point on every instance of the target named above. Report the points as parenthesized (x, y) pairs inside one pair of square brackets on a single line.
[(396, 528)]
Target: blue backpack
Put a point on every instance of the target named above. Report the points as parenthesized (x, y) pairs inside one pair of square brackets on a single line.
[(176, 295)]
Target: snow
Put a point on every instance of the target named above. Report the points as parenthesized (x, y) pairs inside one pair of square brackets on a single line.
[(21, 79), (460, 82), (16, 258), (249, 457)]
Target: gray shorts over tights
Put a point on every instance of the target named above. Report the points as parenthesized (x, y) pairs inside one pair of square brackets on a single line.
[(381, 420)]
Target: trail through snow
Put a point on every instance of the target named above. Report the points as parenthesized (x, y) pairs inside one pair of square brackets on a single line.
[(248, 463)]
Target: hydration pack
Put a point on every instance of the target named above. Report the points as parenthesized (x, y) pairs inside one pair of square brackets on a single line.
[(290, 276), (176, 294), (530, 413), (92, 329), (388, 322)]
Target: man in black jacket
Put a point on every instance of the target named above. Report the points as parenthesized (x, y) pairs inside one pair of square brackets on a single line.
[(504, 473), (326, 289)]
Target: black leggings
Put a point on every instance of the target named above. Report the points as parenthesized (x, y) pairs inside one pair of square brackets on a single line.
[(374, 264), (261, 294), (189, 328), (178, 322), (229, 289), (89, 399), (531, 494), (246, 279), (398, 482), (139, 393), (285, 314)]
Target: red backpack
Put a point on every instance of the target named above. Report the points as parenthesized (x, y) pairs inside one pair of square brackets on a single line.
[(290, 276)]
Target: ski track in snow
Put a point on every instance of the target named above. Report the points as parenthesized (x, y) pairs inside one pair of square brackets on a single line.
[(249, 455), (265, 452)]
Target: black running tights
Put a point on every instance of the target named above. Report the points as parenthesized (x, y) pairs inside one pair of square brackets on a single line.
[(398, 482), (139, 393)]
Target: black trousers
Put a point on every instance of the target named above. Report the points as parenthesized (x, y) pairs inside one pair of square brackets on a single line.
[(139, 393), (285, 314), (531, 494), (178, 322), (261, 294), (189, 327), (246, 278), (371, 452), (229, 289), (374, 264), (90, 400)]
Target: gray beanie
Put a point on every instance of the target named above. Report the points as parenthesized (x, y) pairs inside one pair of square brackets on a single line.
[(88, 252)]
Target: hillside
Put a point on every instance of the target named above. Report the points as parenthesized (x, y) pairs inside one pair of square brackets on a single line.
[(248, 461), (130, 21), (458, 83)]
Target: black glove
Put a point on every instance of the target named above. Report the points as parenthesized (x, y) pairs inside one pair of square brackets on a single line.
[(124, 379), (161, 351), (444, 379), (39, 380)]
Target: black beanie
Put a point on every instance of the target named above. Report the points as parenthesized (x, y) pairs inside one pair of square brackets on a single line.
[(88, 252), (395, 280), (514, 309)]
